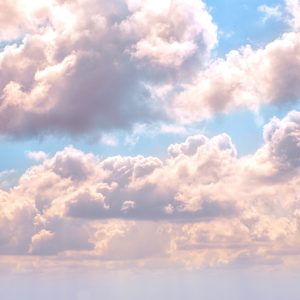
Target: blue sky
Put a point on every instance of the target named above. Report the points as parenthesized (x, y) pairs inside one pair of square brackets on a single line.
[(241, 22)]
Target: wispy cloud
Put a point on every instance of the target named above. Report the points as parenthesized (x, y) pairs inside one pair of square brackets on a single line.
[(270, 12)]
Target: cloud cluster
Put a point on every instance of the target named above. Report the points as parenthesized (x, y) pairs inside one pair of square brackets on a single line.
[(69, 67), (18, 17), (247, 77), (203, 205), (72, 67), (179, 29)]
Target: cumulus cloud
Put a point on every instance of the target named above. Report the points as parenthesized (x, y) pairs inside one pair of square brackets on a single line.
[(293, 8), (69, 67), (245, 78), (18, 17), (73, 68), (179, 29), (203, 205)]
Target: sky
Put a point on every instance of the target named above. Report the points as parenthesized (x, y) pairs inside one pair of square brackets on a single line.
[(149, 149)]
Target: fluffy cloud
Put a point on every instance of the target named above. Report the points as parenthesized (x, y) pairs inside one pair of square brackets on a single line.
[(18, 17), (203, 205), (179, 29), (245, 78), (69, 67), (293, 8), (279, 158)]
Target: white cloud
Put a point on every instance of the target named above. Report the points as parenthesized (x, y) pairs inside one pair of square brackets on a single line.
[(109, 140), (203, 205), (270, 12), (81, 68), (246, 78), (106, 68), (293, 8), (101, 66), (37, 155), (178, 28)]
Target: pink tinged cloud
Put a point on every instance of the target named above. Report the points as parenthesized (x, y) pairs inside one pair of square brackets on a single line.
[(76, 205), (246, 78), (80, 67)]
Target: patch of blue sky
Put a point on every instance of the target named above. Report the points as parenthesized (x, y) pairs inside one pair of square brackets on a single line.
[(279, 111), (243, 126), (4, 44), (153, 144), (241, 23)]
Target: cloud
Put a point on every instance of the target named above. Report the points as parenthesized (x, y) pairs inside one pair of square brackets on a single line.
[(281, 153), (179, 29), (293, 9), (7, 178), (75, 68), (109, 140), (106, 68), (202, 206), (270, 12), (70, 68), (246, 78), (37, 155), (18, 17)]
